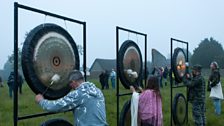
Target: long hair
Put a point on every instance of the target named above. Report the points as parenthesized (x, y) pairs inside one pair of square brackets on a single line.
[(153, 84)]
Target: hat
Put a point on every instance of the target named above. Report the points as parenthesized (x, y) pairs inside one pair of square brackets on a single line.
[(197, 67)]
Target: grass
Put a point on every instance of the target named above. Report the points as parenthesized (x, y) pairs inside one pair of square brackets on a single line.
[(28, 106)]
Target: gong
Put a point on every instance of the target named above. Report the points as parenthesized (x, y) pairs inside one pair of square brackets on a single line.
[(179, 109), (48, 50), (129, 64), (56, 122), (179, 64), (125, 115)]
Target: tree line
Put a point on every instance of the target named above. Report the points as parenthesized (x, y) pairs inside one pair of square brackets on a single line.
[(207, 51)]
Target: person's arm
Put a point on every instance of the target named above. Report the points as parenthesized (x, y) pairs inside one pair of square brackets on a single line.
[(191, 82), (72, 100), (140, 88), (132, 89)]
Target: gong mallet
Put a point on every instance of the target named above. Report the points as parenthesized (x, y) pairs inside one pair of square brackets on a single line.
[(54, 78), (134, 75)]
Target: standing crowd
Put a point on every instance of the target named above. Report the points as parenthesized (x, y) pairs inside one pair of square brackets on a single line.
[(104, 79), (148, 111), (88, 104)]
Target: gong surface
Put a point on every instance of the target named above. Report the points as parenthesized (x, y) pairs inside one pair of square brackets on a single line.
[(179, 109), (129, 62), (125, 115), (48, 50), (179, 64)]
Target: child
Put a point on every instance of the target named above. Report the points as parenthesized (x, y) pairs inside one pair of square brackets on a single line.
[(150, 104)]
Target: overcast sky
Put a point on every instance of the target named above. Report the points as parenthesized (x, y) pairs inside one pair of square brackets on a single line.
[(187, 20)]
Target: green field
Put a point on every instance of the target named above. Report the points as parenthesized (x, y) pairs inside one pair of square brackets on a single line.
[(28, 106)]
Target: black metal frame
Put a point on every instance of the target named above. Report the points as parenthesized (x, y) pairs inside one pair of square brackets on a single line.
[(117, 49), (16, 118), (172, 40)]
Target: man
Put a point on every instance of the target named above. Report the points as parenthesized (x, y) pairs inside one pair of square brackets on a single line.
[(165, 73), (101, 78), (196, 94), (86, 100), (113, 78), (11, 85), (1, 82)]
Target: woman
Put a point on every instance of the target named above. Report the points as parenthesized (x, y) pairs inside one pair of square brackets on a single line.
[(150, 104), (216, 88)]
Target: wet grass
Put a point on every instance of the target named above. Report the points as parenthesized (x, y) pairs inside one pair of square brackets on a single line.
[(28, 106)]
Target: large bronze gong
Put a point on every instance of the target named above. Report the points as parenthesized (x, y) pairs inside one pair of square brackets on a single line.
[(125, 115), (179, 109), (179, 64), (129, 63), (49, 50)]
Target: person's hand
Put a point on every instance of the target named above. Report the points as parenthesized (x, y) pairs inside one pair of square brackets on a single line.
[(132, 88), (188, 75), (39, 97), (140, 88)]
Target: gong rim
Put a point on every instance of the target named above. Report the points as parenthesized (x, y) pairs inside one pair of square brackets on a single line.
[(176, 120), (29, 54), (124, 112), (121, 56), (56, 122), (178, 51)]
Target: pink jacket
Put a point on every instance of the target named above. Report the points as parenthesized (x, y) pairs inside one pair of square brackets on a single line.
[(150, 108)]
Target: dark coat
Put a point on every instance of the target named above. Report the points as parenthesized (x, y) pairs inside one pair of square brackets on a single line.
[(10, 81)]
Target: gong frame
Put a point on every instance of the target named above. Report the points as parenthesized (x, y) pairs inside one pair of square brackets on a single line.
[(172, 40), (18, 6), (117, 50)]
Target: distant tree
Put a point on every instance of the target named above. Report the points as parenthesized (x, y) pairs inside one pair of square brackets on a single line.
[(208, 50), (11, 59)]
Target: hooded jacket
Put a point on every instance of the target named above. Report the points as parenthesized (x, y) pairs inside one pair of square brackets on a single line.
[(87, 102)]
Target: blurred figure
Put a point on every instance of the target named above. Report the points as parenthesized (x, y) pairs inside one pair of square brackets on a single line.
[(1, 82), (106, 78), (161, 70), (196, 94), (158, 73), (101, 78), (165, 73), (215, 87), (11, 83), (113, 78), (149, 104)]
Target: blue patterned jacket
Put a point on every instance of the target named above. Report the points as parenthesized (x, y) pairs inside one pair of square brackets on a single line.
[(87, 102)]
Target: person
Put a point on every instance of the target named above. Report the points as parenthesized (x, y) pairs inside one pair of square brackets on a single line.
[(161, 70), (86, 101), (158, 73), (11, 85), (150, 104), (1, 83), (101, 78), (165, 73), (196, 94), (106, 78), (113, 78), (216, 87)]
